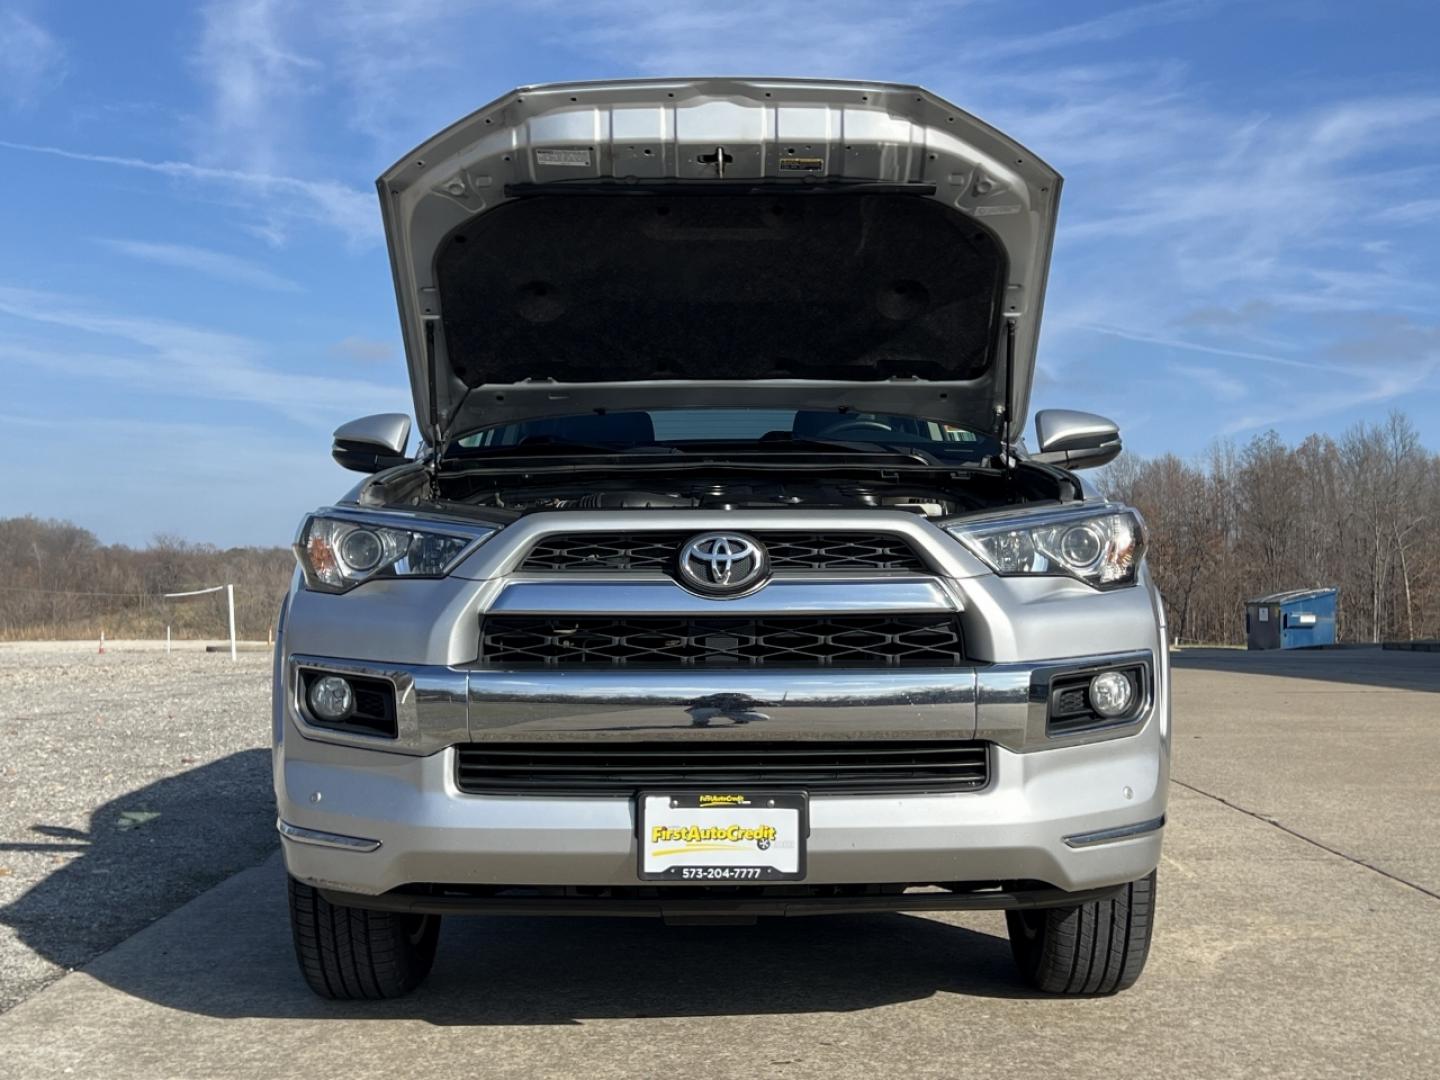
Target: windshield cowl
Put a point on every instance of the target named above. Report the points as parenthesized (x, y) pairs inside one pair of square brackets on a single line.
[(672, 435)]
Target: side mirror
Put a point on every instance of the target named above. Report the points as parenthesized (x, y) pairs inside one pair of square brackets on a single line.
[(372, 443), (1076, 440)]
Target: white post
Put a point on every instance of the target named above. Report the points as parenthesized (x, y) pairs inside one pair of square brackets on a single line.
[(230, 596), (167, 639)]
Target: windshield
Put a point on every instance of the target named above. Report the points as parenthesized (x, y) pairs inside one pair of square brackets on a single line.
[(752, 430)]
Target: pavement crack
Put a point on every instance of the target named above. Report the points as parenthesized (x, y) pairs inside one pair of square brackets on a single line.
[(1308, 839)]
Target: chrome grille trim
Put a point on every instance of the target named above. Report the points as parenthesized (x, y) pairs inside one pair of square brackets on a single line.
[(660, 595), (835, 551), (506, 551)]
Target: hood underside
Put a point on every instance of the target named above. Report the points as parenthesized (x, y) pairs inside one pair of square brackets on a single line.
[(768, 243)]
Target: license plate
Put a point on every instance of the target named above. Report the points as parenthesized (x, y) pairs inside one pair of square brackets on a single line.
[(723, 836)]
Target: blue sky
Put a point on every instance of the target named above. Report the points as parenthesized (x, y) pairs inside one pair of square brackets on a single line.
[(194, 289)]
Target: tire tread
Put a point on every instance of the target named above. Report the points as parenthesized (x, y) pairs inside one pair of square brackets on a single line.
[(1091, 949), (353, 954)]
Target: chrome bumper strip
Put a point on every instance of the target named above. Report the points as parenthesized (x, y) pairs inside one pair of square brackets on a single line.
[(431, 711), (616, 703), (1012, 701), (1109, 836), (440, 706), (324, 839)]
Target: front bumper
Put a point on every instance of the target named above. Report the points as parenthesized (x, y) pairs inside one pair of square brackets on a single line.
[(1016, 829)]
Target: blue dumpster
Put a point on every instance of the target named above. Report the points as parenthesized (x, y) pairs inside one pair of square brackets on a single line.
[(1298, 619)]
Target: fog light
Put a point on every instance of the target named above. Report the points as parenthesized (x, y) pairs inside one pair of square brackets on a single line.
[(331, 698), (1111, 694)]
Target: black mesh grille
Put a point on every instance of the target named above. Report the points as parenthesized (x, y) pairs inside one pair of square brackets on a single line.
[(778, 641), (840, 551), (844, 551), (814, 766)]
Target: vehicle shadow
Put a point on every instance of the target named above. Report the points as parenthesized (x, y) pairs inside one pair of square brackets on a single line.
[(143, 855), (1364, 665), (229, 955)]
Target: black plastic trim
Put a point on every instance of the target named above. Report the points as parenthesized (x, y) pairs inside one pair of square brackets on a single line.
[(732, 903), (1064, 717), (622, 769), (382, 721), (786, 186)]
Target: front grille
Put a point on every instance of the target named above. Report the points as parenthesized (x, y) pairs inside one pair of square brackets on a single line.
[(838, 551), (623, 768), (789, 641)]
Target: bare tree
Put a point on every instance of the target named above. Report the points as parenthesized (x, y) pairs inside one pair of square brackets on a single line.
[(63, 583), (1361, 514)]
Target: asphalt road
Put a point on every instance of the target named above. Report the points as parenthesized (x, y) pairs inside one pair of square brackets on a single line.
[(1298, 920)]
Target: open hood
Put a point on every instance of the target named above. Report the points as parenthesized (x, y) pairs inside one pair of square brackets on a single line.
[(719, 242)]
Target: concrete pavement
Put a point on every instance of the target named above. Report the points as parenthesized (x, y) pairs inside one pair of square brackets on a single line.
[(1300, 947), (1341, 745)]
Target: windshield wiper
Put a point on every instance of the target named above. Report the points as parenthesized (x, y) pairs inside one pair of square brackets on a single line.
[(559, 448), (863, 446), (548, 447)]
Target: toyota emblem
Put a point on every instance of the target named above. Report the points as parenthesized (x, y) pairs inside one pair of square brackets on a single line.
[(723, 564)]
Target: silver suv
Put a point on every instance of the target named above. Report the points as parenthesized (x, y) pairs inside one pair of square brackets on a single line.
[(721, 583)]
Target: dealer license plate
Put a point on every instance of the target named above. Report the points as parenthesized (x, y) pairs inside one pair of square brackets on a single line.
[(723, 836)]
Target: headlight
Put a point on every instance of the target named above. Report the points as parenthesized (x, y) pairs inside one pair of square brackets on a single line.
[(1100, 546), (338, 550)]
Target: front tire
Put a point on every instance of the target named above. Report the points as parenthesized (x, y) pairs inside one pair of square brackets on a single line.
[(349, 953), (1088, 949)]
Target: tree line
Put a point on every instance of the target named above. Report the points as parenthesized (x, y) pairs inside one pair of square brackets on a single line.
[(60, 582), (1360, 513)]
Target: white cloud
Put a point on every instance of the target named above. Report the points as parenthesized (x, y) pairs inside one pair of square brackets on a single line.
[(177, 359), (1108, 27), (1415, 212), (1264, 202), (1221, 385), (401, 68), (32, 61), (1261, 240), (216, 264), (1193, 346), (256, 76), (1116, 120), (747, 37), (1311, 405), (384, 48), (326, 202)]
